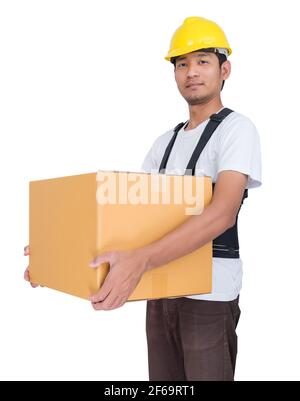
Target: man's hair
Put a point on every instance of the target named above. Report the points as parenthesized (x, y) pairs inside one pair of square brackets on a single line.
[(221, 58)]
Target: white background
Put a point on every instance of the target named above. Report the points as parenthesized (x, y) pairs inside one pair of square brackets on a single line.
[(84, 86)]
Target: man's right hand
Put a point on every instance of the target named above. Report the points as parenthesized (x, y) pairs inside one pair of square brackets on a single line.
[(26, 273)]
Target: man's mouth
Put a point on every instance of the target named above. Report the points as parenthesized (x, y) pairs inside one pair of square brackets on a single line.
[(193, 85)]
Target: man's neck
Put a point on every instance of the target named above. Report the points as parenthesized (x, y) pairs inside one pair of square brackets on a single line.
[(201, 112)]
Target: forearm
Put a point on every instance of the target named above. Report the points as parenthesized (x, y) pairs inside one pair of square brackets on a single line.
[(189, 236)]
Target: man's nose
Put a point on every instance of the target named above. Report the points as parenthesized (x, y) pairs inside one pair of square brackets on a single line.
[(193, 70)]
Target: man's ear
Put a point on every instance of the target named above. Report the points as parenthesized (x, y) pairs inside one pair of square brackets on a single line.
[(226, 69)]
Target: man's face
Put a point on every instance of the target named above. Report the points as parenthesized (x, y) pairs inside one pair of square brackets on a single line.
[(199, 77)]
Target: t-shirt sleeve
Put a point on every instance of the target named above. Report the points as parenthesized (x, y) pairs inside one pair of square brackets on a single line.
[(240, 150), (151, 160)]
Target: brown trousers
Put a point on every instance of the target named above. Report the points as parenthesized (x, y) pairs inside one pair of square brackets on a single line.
[(190, 339)]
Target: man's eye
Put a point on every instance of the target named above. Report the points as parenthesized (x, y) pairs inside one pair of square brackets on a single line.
[(181, 65)]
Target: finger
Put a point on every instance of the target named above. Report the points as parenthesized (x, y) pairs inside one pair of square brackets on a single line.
[(105, 305), (103, 292), (108, 303), (117, 303), (98, 260), (26, 275), (26, 250), (101, 295), (96, 306), (111, 302), (27, 278)]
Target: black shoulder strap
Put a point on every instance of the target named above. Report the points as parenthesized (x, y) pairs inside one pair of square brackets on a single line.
[(165, 158), (215, 120)]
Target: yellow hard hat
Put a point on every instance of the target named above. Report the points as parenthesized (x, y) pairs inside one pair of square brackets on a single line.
[(197, 33)]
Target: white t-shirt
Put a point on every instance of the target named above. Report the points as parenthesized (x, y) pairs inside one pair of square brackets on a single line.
[(235, 145)]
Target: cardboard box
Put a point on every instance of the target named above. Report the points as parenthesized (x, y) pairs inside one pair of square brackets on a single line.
[(75, 218)]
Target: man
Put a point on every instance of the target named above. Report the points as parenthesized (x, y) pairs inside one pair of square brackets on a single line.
[(194, 337)]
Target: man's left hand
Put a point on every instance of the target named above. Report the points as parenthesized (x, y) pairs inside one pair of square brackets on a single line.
[(126, 270)]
